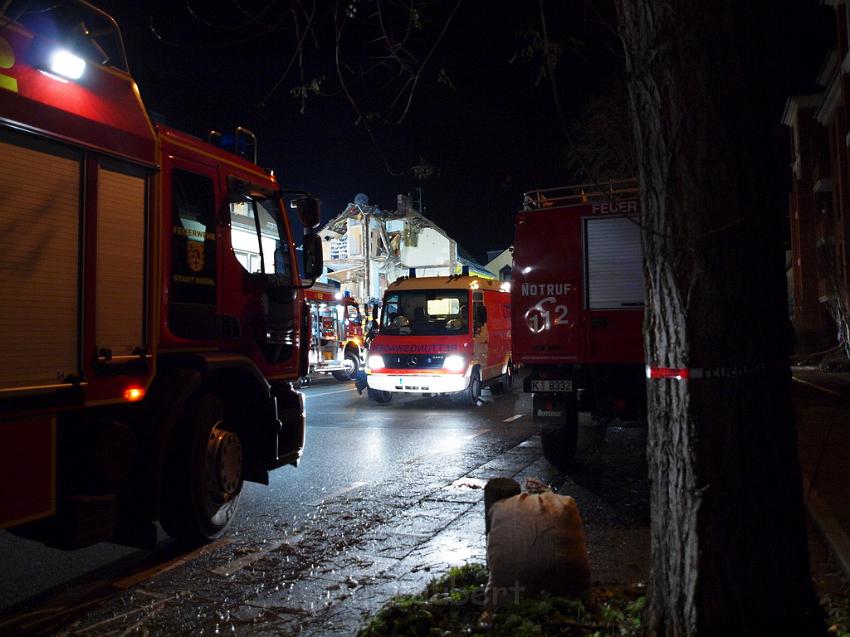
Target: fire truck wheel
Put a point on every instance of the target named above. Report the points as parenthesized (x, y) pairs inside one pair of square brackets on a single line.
[(470, 395), (559, 442), (351, 366), (202, 478)]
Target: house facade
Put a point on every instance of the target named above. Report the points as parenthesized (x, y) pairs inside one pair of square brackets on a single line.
[(367, 248), (500, 263), (819, 201)]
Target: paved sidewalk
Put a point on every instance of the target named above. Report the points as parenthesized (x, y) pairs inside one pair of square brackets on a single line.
[(822, 405), (444, 529)]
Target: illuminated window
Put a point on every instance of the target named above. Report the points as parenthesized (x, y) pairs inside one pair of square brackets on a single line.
[(258, 239)]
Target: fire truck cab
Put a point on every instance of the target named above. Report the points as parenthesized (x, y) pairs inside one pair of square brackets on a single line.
[(146, 366), (442, 335), (337, 344)]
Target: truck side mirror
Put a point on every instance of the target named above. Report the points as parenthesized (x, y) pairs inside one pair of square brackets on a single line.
[(312, 256), (480, 315), (374, 312), (308, 211)]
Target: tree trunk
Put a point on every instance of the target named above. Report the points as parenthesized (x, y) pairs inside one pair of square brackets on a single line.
[(729, 550)]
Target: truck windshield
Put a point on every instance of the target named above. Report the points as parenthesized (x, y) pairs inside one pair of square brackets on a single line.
[(353, 312), (425, 313)]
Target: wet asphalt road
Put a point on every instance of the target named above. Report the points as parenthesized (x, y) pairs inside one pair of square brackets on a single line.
[(356, 450)]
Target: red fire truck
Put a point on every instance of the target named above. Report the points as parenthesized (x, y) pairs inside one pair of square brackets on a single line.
[(337, 346), (442, 335), (153, 316), (577, 307)]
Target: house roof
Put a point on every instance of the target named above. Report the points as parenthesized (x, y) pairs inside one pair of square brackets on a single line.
[(339, 226)]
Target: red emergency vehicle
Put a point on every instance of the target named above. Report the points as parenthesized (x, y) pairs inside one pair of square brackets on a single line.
[(577, 307), (337, 345), (151, 312), (442, 335)]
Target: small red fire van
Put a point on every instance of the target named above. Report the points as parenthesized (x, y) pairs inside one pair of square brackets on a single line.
[(442, 335)]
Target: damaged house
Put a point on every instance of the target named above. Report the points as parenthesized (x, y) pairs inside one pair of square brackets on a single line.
[(366, 248)]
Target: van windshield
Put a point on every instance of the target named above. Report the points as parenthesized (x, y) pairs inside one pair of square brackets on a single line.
[(426, 313)]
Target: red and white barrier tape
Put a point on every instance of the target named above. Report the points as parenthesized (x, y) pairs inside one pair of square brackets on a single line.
[(688, 373)]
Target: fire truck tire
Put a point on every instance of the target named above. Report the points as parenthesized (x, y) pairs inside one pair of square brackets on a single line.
[(351, 367), (471, 394), (559, 442), (202, 478), (379, 396)]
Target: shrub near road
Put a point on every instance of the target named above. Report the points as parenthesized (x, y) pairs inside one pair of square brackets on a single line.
[(455, 605)]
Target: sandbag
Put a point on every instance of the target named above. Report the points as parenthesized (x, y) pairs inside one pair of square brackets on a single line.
[(536, 543)]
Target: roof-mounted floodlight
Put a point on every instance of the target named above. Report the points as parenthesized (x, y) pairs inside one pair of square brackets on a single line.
[(66, 64)]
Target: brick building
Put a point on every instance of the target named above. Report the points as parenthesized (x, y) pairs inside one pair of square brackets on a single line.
[(819, 202)]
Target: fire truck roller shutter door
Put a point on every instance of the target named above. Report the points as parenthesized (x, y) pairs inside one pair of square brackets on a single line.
[(39, 294), (120, 260)]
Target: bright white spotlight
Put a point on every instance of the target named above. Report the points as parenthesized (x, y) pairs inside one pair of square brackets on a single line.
[(66, 64)]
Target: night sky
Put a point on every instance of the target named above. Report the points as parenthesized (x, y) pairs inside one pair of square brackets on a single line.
[(491, 132)]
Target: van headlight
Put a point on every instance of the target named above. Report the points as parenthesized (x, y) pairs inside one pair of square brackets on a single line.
[(454, 363), (376, 362)]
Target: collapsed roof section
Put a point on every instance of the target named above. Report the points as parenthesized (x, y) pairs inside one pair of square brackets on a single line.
[(367, 248)]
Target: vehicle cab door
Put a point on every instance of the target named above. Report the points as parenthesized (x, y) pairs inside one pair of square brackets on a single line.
[(480, 333), (260, 275), (191, 253)]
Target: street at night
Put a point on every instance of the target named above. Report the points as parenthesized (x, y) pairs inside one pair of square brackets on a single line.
[(386, 497), (406, 319)]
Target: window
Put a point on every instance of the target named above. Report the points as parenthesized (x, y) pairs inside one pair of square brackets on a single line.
[(193, 245), (259, 241), (426, 313), (192, 293), (444, 306)]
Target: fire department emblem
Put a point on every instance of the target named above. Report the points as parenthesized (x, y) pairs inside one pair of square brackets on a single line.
[(195, 255), (413, 361)]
